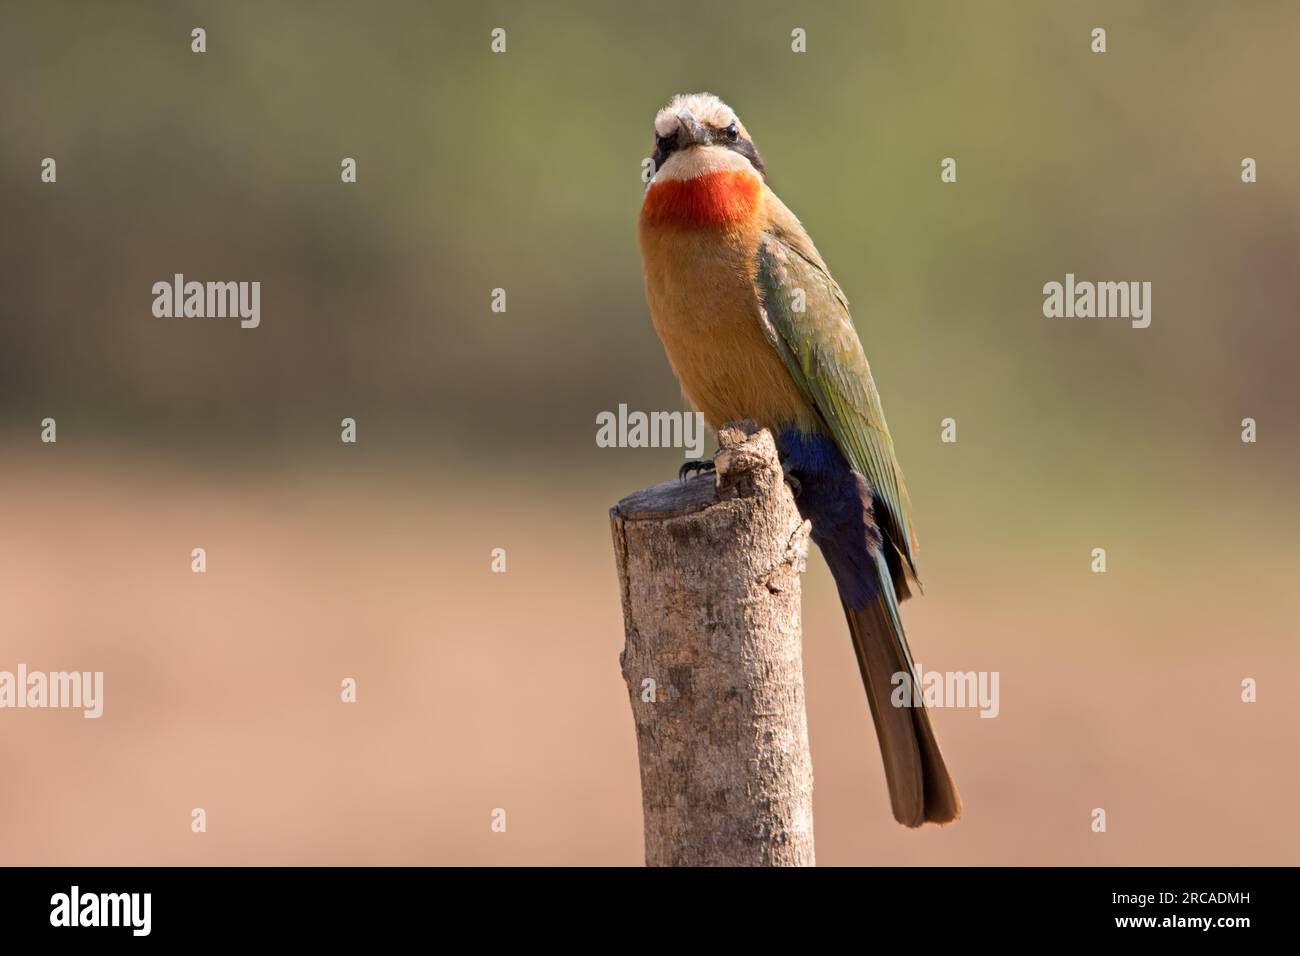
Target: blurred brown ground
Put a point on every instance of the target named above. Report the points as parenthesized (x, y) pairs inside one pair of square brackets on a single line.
[(480, 690)]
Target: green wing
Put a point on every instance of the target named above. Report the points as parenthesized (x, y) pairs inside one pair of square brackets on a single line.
[(821, 349)]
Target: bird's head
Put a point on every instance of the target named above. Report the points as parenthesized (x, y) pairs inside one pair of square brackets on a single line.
[(696, 134)]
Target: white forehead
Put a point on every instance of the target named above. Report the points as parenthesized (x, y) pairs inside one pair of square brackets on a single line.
[(706, 108)]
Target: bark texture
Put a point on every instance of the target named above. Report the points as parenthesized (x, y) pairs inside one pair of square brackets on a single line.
[(713, 661)]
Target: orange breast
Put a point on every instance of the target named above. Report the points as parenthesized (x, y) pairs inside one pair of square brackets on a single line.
[(723, 198), (704, 303)]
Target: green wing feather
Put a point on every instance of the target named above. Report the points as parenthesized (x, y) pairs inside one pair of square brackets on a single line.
[(822, 350)]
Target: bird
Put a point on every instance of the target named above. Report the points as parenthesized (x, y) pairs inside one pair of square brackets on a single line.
[(754, 327)]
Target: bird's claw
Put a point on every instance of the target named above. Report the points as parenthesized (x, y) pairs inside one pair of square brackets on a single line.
[(706, 466), (703, 467), (795, 484)]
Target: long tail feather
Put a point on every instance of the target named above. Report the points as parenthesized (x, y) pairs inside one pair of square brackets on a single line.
[(920, 788), (870, 577)]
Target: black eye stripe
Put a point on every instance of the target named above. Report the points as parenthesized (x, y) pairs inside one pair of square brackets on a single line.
[(745, 148), (665, 146)]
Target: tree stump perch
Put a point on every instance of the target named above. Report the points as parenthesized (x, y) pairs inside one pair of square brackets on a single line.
[(709, 571)]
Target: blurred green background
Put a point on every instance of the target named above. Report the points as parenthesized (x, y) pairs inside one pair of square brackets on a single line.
[(522, 171)]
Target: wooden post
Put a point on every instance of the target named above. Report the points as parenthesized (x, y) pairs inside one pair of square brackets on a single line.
[(713, 661)]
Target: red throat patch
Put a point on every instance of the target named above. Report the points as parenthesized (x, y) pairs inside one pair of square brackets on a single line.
[(714, 199)]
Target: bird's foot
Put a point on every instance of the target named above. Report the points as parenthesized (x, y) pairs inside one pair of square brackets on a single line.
[(702, 466), (795, 484)]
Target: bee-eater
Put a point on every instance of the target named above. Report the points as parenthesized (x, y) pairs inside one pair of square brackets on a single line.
[(755, 327)]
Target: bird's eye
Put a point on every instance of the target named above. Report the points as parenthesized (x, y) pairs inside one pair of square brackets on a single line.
[(666, 143), (732, 132)]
